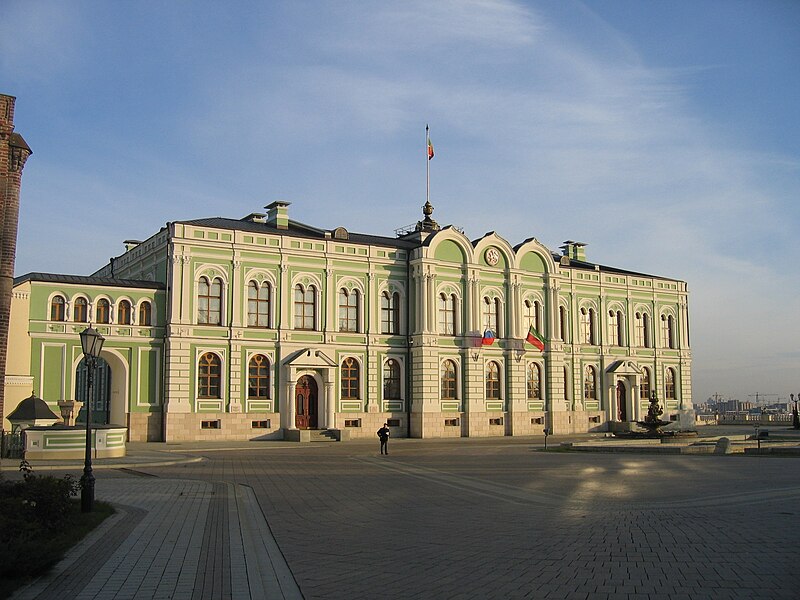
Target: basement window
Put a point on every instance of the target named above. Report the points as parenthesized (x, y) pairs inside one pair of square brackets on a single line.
[(497, 421), (393, 422), (210, 424), (537, 421), (452, 422), (261, 424), (352, 422)]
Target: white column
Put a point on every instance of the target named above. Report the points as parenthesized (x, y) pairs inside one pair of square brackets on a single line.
[(290, 408), (330, 417)]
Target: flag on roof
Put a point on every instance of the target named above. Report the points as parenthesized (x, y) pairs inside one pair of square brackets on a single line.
[(488, 338), (534, 338)]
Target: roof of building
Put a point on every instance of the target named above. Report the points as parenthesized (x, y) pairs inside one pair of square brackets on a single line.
[(295, 228), (88, 280), (31, 409)]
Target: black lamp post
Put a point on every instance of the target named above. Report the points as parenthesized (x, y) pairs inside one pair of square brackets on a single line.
[(795, 417), (92, 343)]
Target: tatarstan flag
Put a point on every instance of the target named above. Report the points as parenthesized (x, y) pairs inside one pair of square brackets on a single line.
[(534, 338), (430, 149)]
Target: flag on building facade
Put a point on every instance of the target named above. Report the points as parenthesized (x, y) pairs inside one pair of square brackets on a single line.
[(488, 338), (534, 338)]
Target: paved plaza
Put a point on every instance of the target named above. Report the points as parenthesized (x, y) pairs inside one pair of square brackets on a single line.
[(443, 519)]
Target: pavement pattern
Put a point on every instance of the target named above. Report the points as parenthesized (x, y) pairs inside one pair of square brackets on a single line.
[(448, 519)]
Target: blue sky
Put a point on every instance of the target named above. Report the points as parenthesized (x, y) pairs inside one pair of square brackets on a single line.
[(664, 134)]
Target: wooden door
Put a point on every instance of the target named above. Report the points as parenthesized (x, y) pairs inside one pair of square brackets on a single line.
[(622, 401), (305, 398)]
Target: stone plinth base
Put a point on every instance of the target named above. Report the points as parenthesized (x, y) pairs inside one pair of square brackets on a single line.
[(196, 427)]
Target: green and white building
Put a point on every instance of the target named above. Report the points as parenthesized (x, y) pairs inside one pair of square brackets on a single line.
[(264, 327)]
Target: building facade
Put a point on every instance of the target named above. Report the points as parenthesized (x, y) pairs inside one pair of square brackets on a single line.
[(256, 328)]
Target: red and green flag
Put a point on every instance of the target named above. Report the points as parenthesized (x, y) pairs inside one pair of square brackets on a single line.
[(430, 149), (534, 338)]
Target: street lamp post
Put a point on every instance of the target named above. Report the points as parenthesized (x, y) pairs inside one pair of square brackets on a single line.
[(795, 417), (92, 343)]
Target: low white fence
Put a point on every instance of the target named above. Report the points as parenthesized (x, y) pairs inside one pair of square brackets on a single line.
[(744, 419)]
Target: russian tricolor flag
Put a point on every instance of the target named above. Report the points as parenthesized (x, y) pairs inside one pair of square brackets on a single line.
[(488, 338)]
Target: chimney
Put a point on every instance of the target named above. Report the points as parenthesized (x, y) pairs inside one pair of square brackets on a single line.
[(574, 250), (278, 214)]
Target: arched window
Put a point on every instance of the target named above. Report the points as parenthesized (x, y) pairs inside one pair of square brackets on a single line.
[(391, 380), (647, 339), (258, 377), (209, 301), (587, 326), (80, 310), (57, 312), (534, 381), (448, 379), (304, 307), (615, 328), (390, 313), (103, 311), (491, 308), (563, 323), (644, 385), (145, 314), (667, 331), (350, 378), (348, 310), (590, 384), (447, 314), (638, 329), (258, 299), (492, 380), (209, 376), (124, 312), (567, 386), (669, 385)]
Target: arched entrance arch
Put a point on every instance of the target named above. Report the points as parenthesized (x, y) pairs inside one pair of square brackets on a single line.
[(109, 389), (306, 399), (622, 401)]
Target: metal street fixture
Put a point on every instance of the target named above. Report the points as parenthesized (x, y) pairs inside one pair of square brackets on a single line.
[(92, 343)]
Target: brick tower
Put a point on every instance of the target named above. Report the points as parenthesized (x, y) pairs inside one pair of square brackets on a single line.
[(13, 154)]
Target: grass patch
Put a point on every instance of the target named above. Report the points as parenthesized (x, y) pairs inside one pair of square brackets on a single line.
[(40, 520)]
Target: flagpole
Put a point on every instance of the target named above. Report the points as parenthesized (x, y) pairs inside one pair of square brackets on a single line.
[(427, 165)]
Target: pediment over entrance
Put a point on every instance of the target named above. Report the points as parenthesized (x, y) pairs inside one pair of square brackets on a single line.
[(624, 367), (309, 358)]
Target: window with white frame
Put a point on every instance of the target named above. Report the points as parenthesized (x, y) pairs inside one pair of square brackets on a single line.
[(258, 377), (534, 381), (391, 379), (209, 376), (124, 312), (103, 311), (448, 380), (350, 373), (209, 301), (305, 307), (492, 380), (80, 310), (348, 310), (644, 385), (145, 314), (590, 383), (57, 312), (447, 314), (491, 309), (390, 313), (258, 304), (669, 384)]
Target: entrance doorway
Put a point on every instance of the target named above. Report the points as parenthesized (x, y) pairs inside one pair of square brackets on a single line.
[(101, 392), (305, 399), (622, 402)]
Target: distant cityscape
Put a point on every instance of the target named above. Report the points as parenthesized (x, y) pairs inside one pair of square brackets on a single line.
[(760, 404)]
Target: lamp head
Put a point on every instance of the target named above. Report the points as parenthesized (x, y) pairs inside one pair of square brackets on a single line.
[(91, 342)]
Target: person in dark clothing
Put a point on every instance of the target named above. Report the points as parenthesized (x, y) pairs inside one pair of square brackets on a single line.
[(383, 434)]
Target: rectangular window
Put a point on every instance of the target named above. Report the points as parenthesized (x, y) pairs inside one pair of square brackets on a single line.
[(498, 421), (451, 422), (537, 421), (261, 424), (393, 422), (210, 425), (352, 422)]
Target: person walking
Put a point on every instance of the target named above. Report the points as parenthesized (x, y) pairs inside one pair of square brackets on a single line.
[(383, 434)]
